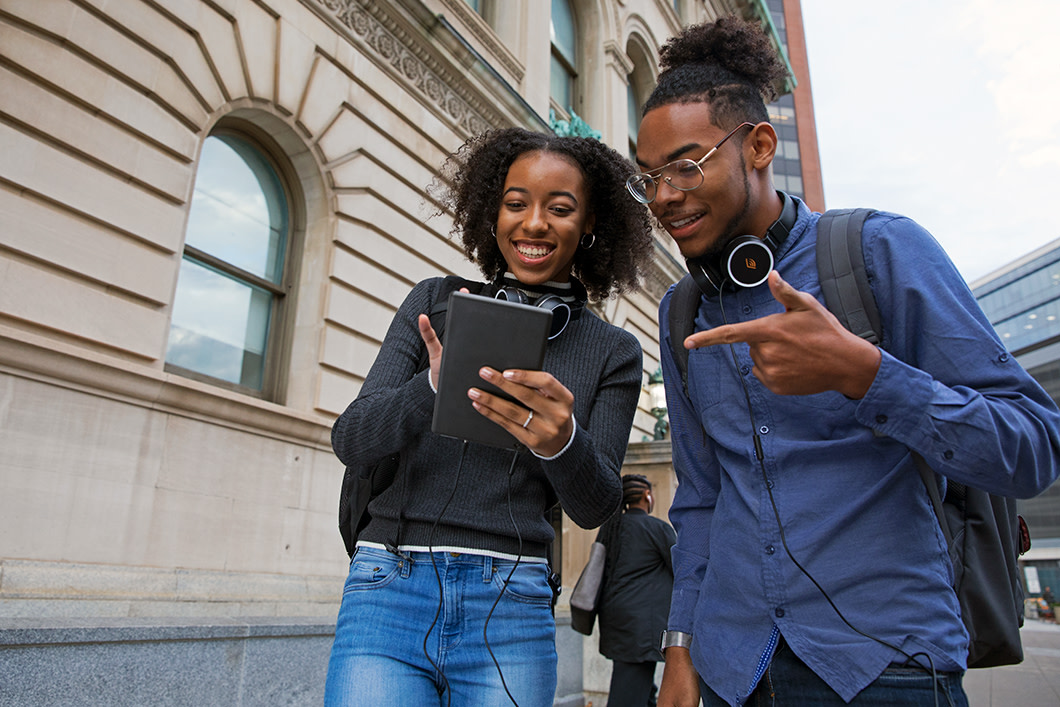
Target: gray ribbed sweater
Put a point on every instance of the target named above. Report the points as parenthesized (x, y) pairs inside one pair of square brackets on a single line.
[(599, 363)]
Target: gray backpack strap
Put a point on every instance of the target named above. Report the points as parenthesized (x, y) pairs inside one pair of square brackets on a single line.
[(684, 303), (841, 268)]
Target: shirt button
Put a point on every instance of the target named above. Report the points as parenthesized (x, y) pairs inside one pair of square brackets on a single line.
[(779, 613), (881, 419), (769, 483), (948, 454), (770, 549), (763, 430), (747, 309), (745, 370), (1003, 357)]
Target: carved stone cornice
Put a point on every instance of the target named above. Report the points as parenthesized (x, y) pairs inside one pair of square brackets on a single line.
[(368, 26)]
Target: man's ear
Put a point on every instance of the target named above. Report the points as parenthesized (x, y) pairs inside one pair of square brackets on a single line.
[(763, 142)]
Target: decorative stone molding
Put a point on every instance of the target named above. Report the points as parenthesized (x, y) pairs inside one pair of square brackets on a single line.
[(368, 26), (618, 59)]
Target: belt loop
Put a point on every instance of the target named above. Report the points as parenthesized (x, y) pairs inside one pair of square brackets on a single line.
[(406, 566), (487, 569)]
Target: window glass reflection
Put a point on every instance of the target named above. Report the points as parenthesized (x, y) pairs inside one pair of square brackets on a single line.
[(561, 85), (238, 212), (1030, 327), (632, 113), (562, 29), (220, 326), (563, 71), (1029, 289)]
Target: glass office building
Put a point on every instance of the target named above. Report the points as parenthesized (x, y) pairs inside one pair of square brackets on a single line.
[(1022, 301), (797, 165)]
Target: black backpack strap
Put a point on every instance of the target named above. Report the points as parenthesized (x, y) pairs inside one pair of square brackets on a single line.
[(450, 284), (684, 303), (841, 269), (848, 295), (374, 480), (440, 308)]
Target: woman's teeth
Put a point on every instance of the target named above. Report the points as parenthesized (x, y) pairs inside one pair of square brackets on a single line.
[(533, 251)]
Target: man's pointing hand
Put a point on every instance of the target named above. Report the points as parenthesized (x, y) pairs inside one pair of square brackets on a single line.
[(801, 351)]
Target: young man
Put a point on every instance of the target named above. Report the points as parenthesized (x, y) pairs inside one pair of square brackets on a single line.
[(809, 564)]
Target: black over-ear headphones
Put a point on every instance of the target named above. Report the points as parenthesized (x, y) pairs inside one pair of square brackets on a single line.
[(562, 312), (746, 260)]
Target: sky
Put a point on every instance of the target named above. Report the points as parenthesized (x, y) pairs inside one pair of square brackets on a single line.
[(946, 111)]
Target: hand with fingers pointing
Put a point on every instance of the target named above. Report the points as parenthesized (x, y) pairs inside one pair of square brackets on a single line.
[(802, 350)]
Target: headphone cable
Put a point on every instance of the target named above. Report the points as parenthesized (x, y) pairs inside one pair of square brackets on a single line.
[(438, 577), (504, 586), (760, 457)]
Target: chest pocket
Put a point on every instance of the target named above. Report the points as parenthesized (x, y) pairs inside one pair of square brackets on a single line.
[(708, 371)]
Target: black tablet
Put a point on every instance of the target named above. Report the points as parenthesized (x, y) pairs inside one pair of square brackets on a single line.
[(481, 331)]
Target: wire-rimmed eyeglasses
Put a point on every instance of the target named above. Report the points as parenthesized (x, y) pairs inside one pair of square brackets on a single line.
[(683, 174)]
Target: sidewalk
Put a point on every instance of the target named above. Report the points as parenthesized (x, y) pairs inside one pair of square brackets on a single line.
[(1033, 683)]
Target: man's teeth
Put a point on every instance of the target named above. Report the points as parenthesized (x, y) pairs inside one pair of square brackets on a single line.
[(683, 222)]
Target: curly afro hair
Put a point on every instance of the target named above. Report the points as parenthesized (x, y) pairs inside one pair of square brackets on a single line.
[(728, 64), (472, 179)]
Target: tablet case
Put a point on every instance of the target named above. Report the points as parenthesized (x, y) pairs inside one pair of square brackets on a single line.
[(481, 331)]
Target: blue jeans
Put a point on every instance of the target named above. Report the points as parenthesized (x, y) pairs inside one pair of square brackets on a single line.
[(788, 682), (401, 643)]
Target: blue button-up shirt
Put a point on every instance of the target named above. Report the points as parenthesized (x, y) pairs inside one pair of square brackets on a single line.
[(853, 509)]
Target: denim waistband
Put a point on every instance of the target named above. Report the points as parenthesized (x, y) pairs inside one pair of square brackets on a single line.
[(418, 551)]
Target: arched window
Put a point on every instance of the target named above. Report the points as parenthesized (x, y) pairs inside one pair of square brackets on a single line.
[(232, 285), (564, 56)]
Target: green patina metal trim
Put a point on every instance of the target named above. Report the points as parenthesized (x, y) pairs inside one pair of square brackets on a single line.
[(760, 10), (575, 127)]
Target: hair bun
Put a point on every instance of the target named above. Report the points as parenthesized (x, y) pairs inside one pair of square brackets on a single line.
[(734, 46)]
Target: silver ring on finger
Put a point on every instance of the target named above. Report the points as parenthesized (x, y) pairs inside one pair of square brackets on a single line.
[(528, 418)]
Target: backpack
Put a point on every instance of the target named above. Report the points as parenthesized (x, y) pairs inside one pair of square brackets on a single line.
[(982, 530), (361, 484)]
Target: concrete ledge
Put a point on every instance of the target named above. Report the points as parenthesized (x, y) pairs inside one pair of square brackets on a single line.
[(169, 662), (56, 631), (39, 590)]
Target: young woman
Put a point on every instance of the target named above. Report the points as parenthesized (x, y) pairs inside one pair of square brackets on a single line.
[(448, 598)]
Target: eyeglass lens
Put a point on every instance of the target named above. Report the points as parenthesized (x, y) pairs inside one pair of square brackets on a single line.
[(680, 174), (683, 174)]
